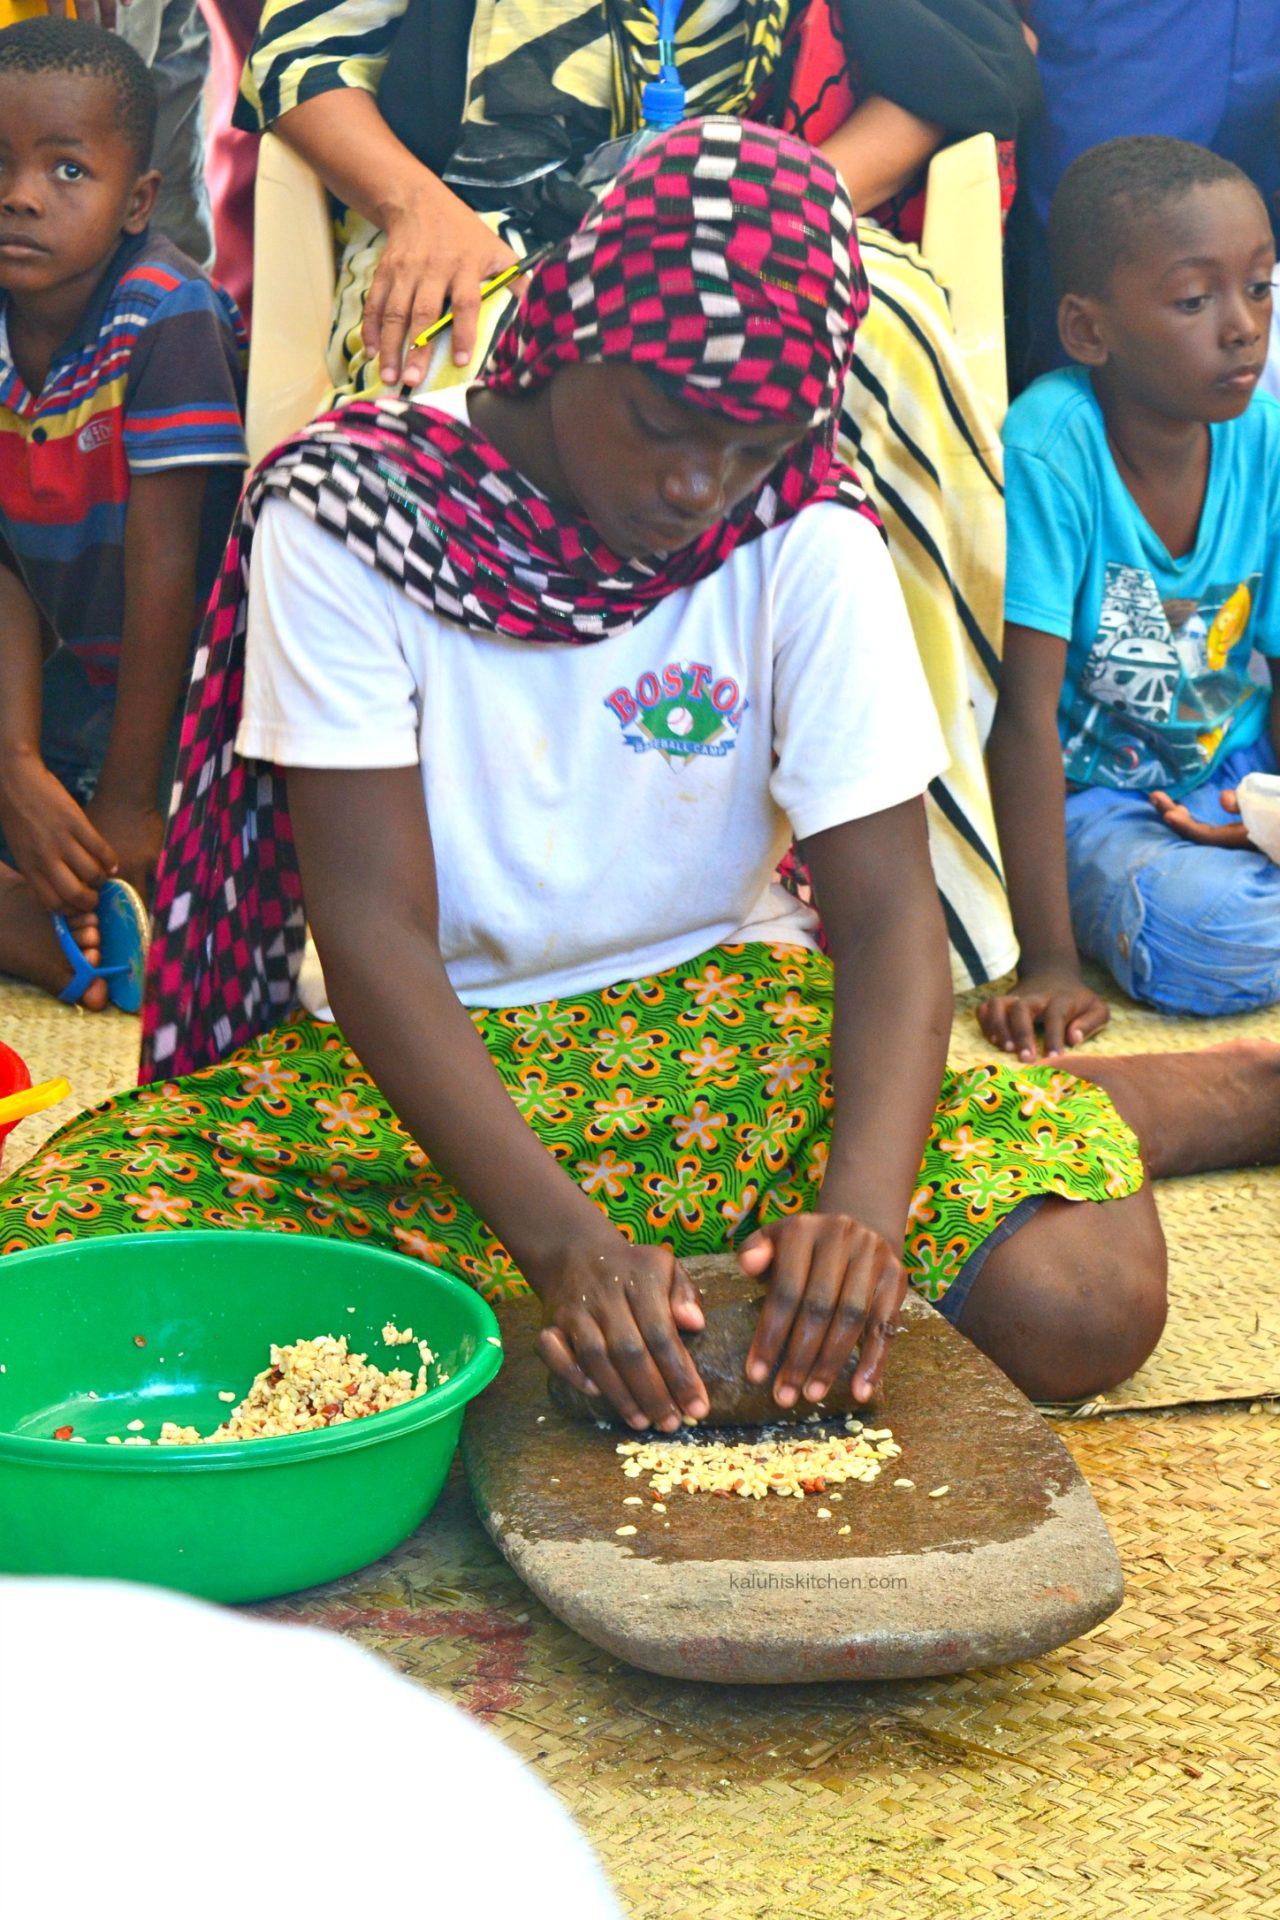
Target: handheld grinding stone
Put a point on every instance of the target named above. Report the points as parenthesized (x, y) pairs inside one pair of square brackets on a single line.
[(719, 1352)]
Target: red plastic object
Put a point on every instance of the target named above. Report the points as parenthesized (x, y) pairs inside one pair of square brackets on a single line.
[(14, 1078)]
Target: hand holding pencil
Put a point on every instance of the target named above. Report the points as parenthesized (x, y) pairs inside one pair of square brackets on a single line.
[(437, 256), (495, 285)]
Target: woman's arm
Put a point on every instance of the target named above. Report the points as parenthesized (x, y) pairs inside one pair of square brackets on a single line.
[(612, 1312), (312, 77), (964, 64), (437, 250), (879, 150), (1024, 761), (874, 884), (836, 1273)]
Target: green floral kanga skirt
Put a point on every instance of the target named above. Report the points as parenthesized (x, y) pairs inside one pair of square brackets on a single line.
[(692, 1107)]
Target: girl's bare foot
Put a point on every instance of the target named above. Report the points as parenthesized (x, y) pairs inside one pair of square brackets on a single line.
[(29, 947)]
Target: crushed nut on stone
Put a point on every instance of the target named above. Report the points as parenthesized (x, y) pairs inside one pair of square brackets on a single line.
[(751, 1470)]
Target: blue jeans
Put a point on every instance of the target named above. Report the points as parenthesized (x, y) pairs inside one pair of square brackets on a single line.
[(1188, 929)]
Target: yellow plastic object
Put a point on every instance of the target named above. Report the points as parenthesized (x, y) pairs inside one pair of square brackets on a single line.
[(11, 11), (963, 242), (17, 1106), (293, 283)]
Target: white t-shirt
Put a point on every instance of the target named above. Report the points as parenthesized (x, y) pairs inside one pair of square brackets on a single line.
[(602, 812), (160, 1758)]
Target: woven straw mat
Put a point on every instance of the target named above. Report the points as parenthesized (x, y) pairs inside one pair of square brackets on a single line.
[(1134, 1774)]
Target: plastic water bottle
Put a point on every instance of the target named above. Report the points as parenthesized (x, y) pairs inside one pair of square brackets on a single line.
[(662, 104)]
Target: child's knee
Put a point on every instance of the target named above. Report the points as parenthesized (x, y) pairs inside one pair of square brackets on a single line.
[(1192, 930), (1076, 1301), (1214, 949)]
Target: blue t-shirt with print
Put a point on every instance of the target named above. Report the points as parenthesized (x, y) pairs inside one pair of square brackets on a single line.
[(1162, 678)]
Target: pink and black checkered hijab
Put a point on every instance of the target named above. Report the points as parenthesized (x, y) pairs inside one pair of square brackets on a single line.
[(724, 259)]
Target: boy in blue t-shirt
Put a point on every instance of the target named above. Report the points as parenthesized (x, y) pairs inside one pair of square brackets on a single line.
[(1142, 610)]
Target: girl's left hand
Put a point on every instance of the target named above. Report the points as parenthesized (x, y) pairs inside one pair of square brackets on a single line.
[(832, 1284)]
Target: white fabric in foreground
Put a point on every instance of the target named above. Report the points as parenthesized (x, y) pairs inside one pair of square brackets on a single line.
[(165, 1760)]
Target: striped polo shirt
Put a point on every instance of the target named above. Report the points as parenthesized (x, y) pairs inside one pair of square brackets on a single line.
[(151, 378)]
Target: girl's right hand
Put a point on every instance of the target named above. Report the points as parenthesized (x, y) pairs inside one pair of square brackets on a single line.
[(57, 850), (437, 254), (612, 1319)]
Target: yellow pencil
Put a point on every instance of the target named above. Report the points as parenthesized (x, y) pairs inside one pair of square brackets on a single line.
[(487, 287)]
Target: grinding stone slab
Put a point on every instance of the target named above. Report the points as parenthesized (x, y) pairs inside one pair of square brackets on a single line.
[(1014, 1561)]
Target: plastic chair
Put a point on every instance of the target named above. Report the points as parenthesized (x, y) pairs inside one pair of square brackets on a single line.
[(293, 285), (294, 268), (963, 242)]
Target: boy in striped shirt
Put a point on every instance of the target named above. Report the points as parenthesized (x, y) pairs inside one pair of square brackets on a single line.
[(121, 449)]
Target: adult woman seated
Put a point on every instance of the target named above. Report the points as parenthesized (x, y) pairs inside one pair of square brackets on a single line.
[(453, 131)]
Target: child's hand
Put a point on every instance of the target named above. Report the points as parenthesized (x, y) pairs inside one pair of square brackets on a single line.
[(1232, 834), (1059, 1002), (136, 831), (832, 1284), (612, 1319), (62, 856)]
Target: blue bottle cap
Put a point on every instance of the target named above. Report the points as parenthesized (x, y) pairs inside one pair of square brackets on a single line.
[(663, 102)]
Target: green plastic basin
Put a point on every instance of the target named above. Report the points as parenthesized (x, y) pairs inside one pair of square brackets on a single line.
[(233, 1521)]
